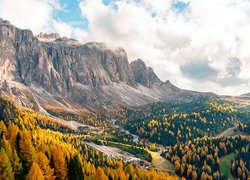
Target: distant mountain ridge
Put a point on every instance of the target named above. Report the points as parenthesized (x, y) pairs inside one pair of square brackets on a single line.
[(63, 74), (247, 96)]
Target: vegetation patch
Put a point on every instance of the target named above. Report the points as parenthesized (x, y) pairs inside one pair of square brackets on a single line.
[(161, 163), (225, 165), (137, 151)]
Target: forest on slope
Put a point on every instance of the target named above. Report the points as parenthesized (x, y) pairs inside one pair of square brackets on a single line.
[(200, 159), (33, 146), (196, 136), (169, 123)]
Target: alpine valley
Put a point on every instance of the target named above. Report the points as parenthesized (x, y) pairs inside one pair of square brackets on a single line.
[(84, 111)]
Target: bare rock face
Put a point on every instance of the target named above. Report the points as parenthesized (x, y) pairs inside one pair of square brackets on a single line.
[(103, 66), (57, 65), (48, 37), (153, 78), (144, 75), (48, 69), (20, 52)]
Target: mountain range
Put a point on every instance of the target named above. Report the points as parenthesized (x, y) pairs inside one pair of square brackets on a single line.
[(48, 72)]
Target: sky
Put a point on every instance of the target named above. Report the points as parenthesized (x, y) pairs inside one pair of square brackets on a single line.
[(201, 45)]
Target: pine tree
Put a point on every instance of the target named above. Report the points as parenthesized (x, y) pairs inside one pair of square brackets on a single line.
[(35, 173), (6, 172), (43, 162), (129, 169), (75, 171)]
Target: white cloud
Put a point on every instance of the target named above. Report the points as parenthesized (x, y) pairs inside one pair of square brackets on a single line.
[(37, 15), (63, 29), (157, 6), (32, 14), (210, 31)]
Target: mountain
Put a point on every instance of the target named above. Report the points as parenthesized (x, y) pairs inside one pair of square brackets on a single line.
[(47, 72), (244, 97), (144, 75), (242, 100)]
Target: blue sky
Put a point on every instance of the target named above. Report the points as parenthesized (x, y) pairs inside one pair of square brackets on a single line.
[(71, 13), (180, 6)]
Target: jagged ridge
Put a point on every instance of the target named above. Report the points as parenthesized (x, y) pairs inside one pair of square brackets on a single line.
[(61, 72)]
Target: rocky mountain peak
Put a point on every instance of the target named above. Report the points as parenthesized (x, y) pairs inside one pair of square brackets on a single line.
[(48, 37), (120, 51), (144, 75), (6, 22)]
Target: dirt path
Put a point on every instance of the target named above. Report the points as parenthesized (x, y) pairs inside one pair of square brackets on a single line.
[(223, 133)]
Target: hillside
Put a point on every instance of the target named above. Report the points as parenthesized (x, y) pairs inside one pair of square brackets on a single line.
[(34, 146)]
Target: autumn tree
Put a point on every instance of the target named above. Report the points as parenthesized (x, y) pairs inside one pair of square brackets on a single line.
[(100, 175), (59, 163), (6, 172), (239, 172), (35, 173), (194, 175), (14, 159), (3, 129), (129, 170), (27, 150), (43, 162), (12, 134), (120, 174)]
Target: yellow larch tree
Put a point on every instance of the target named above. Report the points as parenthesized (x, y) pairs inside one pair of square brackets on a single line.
[(43, 162), (6, 172), (59, 163), (35, 173)]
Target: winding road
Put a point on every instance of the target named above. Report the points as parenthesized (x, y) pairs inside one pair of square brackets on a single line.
[(223, 133), (135, 137)]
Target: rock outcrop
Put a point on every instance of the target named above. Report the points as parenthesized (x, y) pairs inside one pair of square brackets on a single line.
[(48, 37), (144, 75)]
